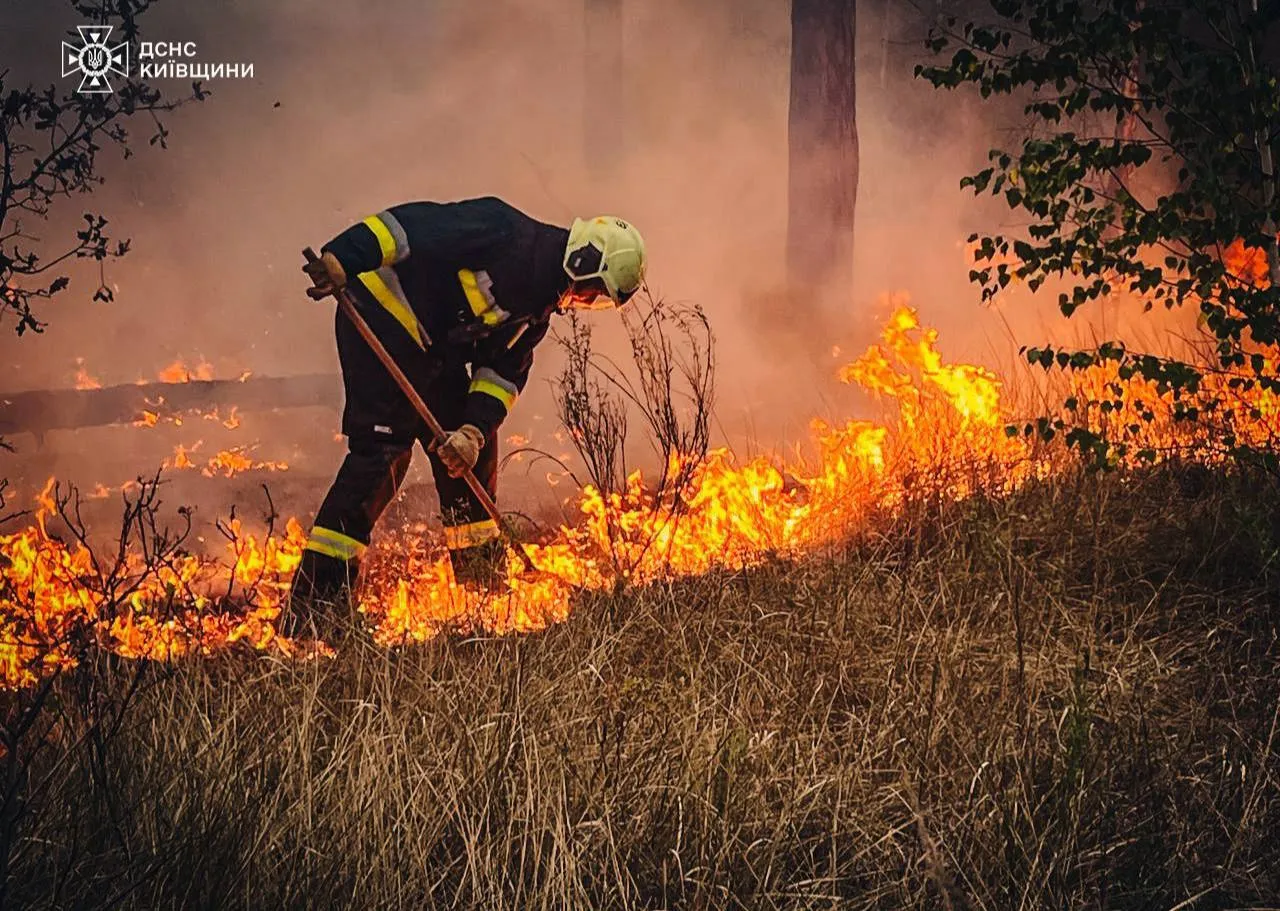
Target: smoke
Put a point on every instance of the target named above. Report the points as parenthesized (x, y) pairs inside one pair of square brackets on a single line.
[(358, 106)]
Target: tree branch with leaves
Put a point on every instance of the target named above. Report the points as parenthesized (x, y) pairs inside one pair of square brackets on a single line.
[(1160, 207), (51, 141)]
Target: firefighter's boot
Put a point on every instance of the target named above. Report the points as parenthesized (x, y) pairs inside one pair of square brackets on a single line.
[(320, 602), (484, 565)]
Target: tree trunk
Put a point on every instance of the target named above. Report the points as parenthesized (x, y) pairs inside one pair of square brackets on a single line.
[(823, 142), (602, 128), (1263, 143)]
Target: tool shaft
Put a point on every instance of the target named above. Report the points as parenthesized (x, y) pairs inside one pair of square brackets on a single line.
[(348, 307)]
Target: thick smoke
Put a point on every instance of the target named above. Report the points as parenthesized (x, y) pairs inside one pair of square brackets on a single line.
[(358, 106)]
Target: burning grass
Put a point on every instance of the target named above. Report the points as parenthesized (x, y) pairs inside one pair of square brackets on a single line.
[(944, 439), (930, 664), (1061, 698)]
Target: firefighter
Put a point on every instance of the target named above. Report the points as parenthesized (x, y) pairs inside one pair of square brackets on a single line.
[(460, 293)]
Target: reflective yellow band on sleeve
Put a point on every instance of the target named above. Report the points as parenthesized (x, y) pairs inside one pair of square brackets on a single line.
[(385, 240), (490, 382), (392, 239), (488, 387), (477, 287), (463, 536), (385, 287), (335, 544)]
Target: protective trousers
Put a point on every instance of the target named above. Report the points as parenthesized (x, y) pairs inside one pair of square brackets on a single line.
[(381, 427)]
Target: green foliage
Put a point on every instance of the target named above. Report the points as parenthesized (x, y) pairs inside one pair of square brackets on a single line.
[(1149, 154), (50, 139)]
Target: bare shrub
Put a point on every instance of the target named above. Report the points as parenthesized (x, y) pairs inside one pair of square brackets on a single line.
[(669, 384), (68, 691)]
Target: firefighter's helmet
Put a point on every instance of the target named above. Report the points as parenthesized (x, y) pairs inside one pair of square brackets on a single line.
[(605, 255)]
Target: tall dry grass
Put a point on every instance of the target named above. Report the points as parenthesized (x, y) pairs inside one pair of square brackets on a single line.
[(1068, 698)]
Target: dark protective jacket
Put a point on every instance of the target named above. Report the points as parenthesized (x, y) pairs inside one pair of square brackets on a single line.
[(472, 282)]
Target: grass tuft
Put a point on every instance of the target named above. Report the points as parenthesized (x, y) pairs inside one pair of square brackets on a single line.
[(1066, 698)]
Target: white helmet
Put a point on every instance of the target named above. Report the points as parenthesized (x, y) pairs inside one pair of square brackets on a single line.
[(605, 255)]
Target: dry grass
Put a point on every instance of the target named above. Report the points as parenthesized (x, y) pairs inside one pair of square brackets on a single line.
[(1066, 699)]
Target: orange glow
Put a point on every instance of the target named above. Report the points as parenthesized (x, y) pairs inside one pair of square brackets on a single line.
[(51, 588), (230, 462), (83, 379), (941, 435), (1247, 264), (178, 372), (947, 431), (225, 463), (182, 457)]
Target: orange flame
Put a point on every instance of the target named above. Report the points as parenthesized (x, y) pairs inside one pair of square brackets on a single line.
[(83, 379), (178, 372), (942, 435)]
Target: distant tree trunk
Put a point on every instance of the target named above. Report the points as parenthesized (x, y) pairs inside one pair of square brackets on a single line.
[(823, 142), (1265, 159), (602, 127), (1116, 181)]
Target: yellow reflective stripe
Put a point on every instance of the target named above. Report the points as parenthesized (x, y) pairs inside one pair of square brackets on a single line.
[(508, 399), (463, 536), (334, 544), (488, 382), (481, 301), (393, 302), (392, 239), (385, 240)]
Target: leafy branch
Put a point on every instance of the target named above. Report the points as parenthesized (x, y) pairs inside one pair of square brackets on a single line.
[(1168, 207), (51, 141)]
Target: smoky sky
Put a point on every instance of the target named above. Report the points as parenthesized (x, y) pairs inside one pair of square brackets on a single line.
[(354, 107)]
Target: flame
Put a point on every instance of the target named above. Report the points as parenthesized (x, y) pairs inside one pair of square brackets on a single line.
[(54, 599), (1247, 265), (941, 434), (83, 379), (947, 432), (182, 456), (230, 462), (150, 418), (226, 462), (178, 372)]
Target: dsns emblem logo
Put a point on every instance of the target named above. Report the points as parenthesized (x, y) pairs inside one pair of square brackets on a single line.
[(94, 59)]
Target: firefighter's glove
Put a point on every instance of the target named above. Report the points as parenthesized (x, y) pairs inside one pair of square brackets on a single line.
[(327, 275), (460, 450)]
